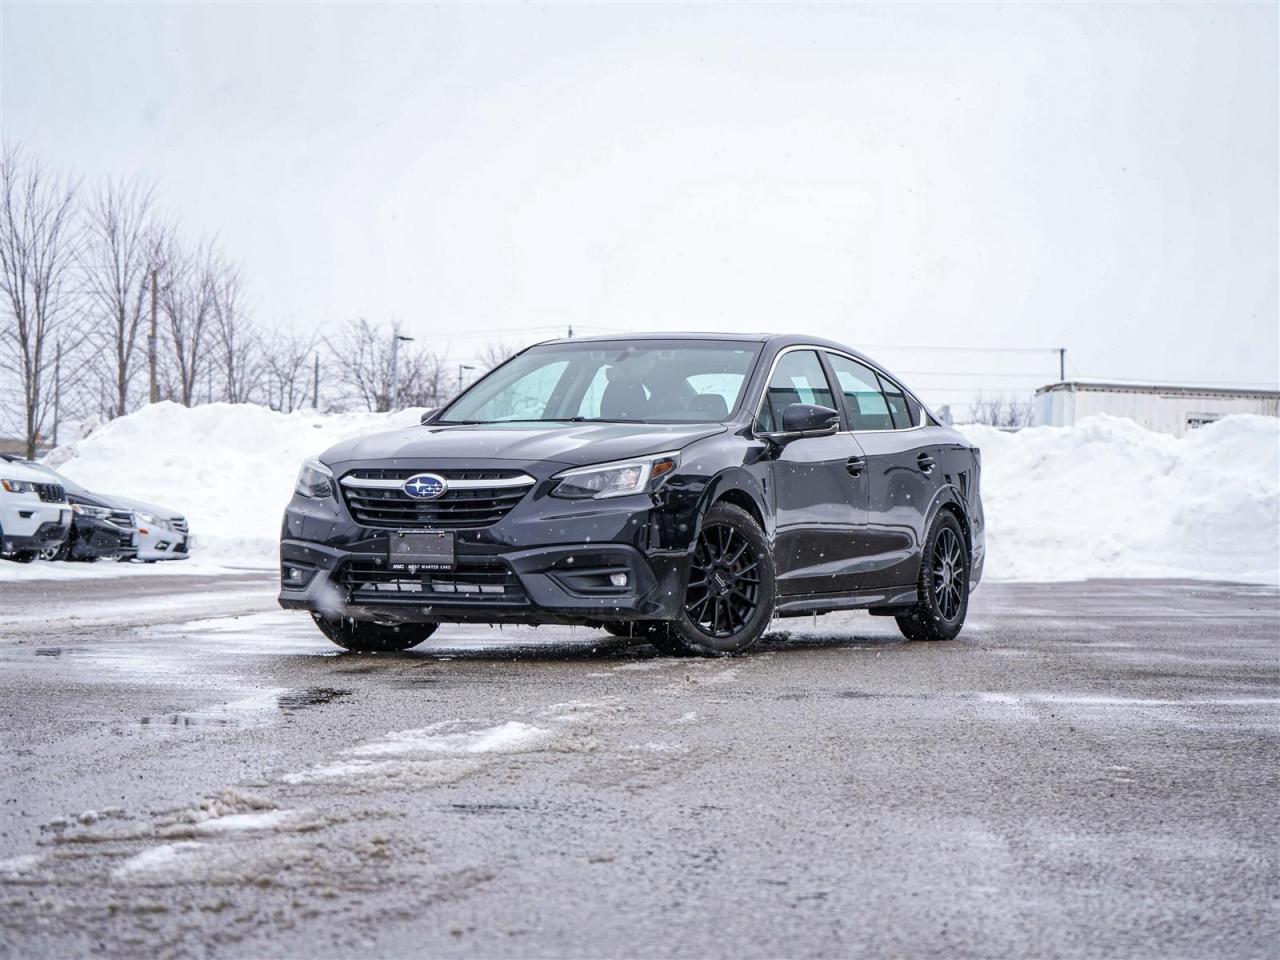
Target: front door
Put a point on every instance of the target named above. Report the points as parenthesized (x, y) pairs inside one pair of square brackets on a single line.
[(818, 487)]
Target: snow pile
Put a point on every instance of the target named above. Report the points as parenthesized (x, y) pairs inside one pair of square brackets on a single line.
[(1108, 498), (229, 468), (1105, 498)]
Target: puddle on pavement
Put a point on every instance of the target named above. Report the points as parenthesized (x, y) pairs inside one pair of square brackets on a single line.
[(311, 697)]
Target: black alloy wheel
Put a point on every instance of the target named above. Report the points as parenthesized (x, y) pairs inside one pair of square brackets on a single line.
[(729, 600), (943, 587), (948, 573), (724, 585)]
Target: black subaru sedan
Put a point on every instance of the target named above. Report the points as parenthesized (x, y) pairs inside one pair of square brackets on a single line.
[(681, 489)]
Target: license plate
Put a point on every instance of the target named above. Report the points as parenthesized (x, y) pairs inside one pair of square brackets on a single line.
[(426, 551), (64, 516)]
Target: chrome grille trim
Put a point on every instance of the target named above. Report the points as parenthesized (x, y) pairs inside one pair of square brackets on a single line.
[(395, 483)]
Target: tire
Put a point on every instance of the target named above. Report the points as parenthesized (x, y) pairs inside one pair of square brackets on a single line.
[(943, 587), (23, 556), (61, 552), (365, 636), (731, 591)]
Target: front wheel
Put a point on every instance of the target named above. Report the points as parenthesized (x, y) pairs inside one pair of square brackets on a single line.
[(943, 588), (365, 636), (729, 600), (61, 552)]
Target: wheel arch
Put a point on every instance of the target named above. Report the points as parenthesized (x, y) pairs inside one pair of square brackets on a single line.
[(950, 499), (738, 487)]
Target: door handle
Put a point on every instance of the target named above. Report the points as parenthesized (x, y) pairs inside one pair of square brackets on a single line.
[(855, 466), (925, 462)]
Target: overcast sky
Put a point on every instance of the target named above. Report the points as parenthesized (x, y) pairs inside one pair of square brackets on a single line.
[(1098, 177)]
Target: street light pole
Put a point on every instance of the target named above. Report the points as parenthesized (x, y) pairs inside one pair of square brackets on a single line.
[(393, 400), (462, 367)]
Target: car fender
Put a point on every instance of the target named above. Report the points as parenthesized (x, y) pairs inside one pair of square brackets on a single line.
[(735, 484), (949, 494)]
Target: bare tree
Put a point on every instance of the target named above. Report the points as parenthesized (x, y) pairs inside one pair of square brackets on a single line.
[(237, 349), (1001, 411), (116, 263), (187, 301), (39, 242), (290, 362), (496, 352), (362, 360)]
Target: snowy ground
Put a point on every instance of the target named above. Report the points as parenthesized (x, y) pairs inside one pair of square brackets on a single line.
[(1089, 771), (1105, 498)]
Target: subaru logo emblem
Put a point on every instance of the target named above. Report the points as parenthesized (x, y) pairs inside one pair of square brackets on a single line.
[(425, 486)]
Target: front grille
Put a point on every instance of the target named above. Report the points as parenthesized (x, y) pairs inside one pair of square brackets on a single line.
[(479, 582), (492, 498), (51, 492)]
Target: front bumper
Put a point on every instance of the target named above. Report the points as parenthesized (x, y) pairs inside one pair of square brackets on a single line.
[(563, 583), (160, 543), (48, 534), (94, 539)]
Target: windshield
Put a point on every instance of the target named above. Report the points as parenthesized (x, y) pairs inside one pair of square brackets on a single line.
[(645, 381)]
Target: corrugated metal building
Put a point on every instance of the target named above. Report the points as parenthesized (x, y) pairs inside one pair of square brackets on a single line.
[(1170, 408)]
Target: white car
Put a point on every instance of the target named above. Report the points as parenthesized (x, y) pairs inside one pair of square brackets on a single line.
[(34, 513), (159, 533)]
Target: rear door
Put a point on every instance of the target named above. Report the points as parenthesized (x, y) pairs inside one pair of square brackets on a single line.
[(820, 505), (902, 472)]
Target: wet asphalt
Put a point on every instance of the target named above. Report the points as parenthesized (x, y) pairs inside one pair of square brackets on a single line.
[(1092, 770)]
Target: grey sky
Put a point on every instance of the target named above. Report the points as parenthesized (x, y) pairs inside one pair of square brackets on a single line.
[(1101, 177)]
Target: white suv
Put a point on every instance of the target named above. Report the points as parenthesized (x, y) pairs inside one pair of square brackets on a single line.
[(34, 513)]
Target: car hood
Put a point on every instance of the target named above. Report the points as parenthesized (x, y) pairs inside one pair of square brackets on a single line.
[(570, 444), (151, 508)]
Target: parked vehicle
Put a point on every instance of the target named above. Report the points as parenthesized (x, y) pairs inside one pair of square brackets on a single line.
[(159, 533), (681, 488), (99, 529), (34, 513)]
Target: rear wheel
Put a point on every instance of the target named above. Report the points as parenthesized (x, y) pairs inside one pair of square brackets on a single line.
[(729, 600), (365, 636), (943, 588)]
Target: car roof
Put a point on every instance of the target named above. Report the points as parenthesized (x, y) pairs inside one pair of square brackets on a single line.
[(778, 340)]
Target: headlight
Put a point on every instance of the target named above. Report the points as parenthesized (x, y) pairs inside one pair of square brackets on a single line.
[(615, 479), (17, 486), (150, 519), (315, 480), (88, 511)]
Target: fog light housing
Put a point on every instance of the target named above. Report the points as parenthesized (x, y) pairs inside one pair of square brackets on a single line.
[(618, 579), (295, 577)]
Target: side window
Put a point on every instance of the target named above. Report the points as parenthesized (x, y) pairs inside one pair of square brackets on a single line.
[(798, 378), (864, 404), (906, 412)]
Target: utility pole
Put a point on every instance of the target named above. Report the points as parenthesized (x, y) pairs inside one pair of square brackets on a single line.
[(57, 389), (396, 337), (315, 384), (461, 368), (151, 342), (1062, 364)]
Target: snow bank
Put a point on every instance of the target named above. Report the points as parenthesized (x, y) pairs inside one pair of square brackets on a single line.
[(1108, 498), (229, 468), (1105, 498)]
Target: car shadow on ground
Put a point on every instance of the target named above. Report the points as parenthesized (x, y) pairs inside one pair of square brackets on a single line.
[(604, 649)]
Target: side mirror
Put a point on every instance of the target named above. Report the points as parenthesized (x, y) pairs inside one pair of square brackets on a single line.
[(805, 420), (429, 415)]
